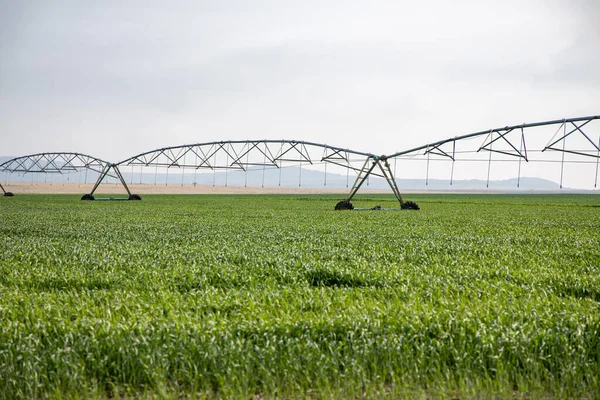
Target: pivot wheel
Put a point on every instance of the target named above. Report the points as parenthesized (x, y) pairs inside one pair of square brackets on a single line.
[(344, 205), (409, 205)]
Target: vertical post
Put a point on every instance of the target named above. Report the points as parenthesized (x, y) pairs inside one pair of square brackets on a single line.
[(280, 168), (453, 159), (226, 168), (280, 162), (562, 161), (348, 174), (246, 170), (264, 166), (597, 162), (167, 176), (325, 183), (155, 174), (183, 170), (487, 185), (300, 176), (520, 159), (427, 172), (215, 169), (196, 168)]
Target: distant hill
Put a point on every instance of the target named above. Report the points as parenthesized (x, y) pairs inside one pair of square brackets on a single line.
[(286, 177), (293, 177)]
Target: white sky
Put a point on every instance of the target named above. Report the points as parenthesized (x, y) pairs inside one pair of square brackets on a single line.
[(116, 78)]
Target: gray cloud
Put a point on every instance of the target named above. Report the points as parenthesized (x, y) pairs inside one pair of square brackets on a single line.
[(144, 74)]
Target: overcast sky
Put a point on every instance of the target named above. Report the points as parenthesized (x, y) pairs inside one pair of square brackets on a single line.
[(115, 78)]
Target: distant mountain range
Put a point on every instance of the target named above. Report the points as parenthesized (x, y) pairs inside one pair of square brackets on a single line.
[(286, 177)]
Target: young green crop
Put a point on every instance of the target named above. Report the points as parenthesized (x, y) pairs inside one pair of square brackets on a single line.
[(280, 296)]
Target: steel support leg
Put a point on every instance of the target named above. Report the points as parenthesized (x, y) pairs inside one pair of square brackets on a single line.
[(389, 177), (366, 170), (118, 172), (2, 187), (101, 177), (105, 172), (362, 177)]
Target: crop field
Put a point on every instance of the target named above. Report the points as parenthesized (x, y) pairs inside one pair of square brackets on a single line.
[(280, 296)]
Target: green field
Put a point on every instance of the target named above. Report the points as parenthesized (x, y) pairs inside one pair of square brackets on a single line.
[(280, 296)]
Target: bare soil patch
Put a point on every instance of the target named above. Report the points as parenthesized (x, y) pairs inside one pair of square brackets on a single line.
[(111, 188)]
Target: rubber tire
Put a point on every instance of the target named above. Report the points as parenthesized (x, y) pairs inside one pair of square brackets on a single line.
[(87, 197), (344, 205), (9, 194), (135, 197), (409, 205)]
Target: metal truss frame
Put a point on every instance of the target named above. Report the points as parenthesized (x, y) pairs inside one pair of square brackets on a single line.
[(244, 154), (515, 144), (596, 147), (59, 162), (502, 134), (367, 170), (105, 172), (273, 153), (63, 163)]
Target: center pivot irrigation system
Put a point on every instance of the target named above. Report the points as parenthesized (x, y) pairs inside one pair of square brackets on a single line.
[(574, 139)]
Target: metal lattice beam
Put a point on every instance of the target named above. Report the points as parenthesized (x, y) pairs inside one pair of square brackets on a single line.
[(510, 141), (53, 163), (63, 163), (524, 142), (240, 154), (503, 135)]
